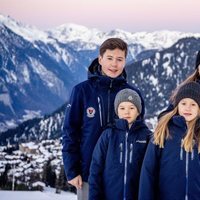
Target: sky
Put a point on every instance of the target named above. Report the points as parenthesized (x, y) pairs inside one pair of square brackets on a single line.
[(106, 15)]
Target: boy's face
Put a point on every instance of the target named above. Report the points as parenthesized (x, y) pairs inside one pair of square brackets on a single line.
[(112, 62), (188, 108), (127, 110)]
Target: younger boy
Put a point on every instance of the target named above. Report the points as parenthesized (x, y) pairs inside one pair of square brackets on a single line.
[(119, 152)]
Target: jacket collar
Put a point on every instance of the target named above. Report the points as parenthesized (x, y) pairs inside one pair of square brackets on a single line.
[(122, 124), (178, 122)]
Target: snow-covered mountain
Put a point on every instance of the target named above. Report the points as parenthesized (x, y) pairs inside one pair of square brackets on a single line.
[(38, 68), (156, 77), (159, 74), (35, 76), (72, 32)]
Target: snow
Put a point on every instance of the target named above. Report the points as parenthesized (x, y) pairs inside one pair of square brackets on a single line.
[(88, 38), (30, 145), (154, 80), (30, 114), (48, 194), (25, 73), (166, 65), (48, 77), (5, 98), (72, 32), (30, 33), (38, 183)]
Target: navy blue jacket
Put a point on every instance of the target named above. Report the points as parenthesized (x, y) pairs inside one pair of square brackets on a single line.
[(171, 173), (88, 113), (117, 161)]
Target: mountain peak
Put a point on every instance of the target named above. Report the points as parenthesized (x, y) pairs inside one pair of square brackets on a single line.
[(28, 32), (71, 27)]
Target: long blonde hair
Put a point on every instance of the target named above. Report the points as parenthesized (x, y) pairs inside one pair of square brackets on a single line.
[(193, 77), (162, 132)]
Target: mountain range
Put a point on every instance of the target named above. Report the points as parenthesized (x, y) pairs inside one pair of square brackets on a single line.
[(39, 68)]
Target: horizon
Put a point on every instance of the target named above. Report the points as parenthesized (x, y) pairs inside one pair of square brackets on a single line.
[(131, 16)]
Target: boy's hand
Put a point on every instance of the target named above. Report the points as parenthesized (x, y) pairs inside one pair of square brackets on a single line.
[(77, 182)]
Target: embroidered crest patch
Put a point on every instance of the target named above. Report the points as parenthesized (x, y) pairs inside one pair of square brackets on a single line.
[(90, 112)]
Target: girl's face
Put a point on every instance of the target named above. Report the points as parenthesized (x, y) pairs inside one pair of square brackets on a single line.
[(128, 111), (199, 69), (188, 108)]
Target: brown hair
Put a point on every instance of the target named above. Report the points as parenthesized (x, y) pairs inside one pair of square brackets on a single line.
[(113, 43)]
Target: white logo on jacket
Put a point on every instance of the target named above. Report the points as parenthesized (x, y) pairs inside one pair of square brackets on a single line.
[(90, 112)]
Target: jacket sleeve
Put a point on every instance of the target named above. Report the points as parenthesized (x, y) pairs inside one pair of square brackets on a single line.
[(71, 134), (149, 173), (97, 168)]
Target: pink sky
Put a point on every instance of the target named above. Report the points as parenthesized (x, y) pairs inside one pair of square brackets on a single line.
[(129, 15)]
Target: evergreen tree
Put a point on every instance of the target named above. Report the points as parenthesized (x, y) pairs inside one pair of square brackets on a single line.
[(4, 177), (60, 181), (49, 176)]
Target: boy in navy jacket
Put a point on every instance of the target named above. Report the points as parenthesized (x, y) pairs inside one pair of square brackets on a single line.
[(91, 109), (119, 152)]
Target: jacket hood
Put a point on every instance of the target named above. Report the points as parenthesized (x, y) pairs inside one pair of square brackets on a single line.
[(94, 70)]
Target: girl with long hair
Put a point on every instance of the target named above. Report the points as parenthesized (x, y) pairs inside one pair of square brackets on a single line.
[(171, 167)]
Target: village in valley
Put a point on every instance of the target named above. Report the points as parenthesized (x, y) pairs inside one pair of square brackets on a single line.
[(32, 166)]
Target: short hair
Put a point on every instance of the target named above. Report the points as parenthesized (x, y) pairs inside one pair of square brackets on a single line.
[(113, 43)]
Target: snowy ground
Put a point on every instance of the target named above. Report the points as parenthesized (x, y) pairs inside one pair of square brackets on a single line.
[(48, 194)]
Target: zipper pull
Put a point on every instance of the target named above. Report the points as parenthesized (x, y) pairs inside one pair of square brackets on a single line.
[(181, 153), (192, 154), (121, 152), (111, 82), (131, 153), (181, 150), (100, 111)]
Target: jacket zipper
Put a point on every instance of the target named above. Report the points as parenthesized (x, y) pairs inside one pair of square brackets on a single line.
[(108, 116), (121, 152), (192, 154), (181, 153), (100, 111), (186, 172), (125, 166), (131, 153), (186, 168)]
